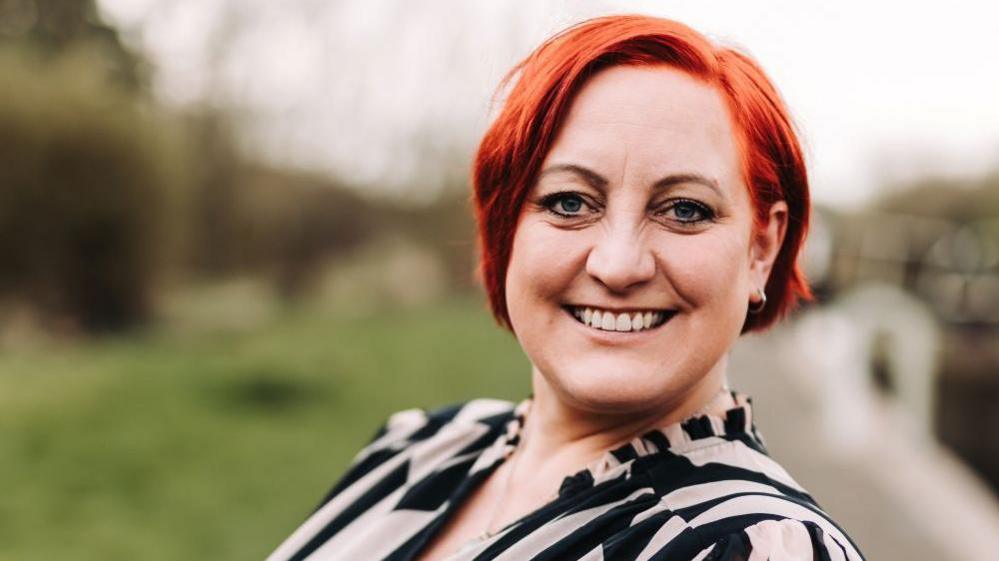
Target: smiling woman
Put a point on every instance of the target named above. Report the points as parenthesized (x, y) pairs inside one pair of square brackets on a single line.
[(664, 226), (639, 196)]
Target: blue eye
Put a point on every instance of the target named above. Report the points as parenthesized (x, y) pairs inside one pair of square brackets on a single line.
[(571, 205), (565, 203), (689, 212)]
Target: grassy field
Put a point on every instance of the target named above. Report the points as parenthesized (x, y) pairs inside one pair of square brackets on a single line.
[(215, 444)]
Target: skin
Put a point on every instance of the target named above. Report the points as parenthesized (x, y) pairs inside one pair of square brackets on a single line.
[(657, 216)]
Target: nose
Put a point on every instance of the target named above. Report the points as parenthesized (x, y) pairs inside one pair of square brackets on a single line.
[(621, 259)]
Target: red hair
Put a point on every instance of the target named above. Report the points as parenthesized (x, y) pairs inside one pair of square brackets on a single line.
[(512, 150)]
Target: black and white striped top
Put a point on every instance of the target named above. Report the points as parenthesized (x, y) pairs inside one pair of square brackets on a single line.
[(702, 489)]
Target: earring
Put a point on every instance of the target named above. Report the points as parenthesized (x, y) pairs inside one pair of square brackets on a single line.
[(761, 304)]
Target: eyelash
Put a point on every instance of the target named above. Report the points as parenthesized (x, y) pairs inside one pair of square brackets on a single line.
[(549, 201), (706, 213)]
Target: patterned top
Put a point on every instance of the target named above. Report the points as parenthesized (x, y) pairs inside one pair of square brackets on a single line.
[(702, 489)]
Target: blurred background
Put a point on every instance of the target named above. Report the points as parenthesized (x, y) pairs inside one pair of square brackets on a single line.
[(235, 236)]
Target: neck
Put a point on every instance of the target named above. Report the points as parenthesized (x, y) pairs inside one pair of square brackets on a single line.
[(560, 437)]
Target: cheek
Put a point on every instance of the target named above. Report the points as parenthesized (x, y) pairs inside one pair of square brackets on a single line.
[(706, 270), (541, 265)]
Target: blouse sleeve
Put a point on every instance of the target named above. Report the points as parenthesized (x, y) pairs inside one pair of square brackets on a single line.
[(780, 540)]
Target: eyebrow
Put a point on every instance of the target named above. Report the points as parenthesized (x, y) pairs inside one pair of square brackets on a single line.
[(599, 182)]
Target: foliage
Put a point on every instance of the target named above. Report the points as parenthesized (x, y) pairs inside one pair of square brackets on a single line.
[(105, 196), (52, 28), (246, 217), (86, 173), (958, 201)]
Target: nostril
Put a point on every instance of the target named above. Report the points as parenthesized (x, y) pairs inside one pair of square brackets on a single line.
[(621, 266)]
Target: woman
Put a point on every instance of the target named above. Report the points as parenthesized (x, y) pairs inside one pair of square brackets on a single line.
[(641, 201)]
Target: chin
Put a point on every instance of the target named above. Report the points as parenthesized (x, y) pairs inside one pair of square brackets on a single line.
[(619, 388)]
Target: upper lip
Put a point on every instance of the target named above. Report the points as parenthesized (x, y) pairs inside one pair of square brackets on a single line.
[(622, 310)]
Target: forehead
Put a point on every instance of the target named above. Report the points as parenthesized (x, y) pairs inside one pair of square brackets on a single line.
[(654, 117)]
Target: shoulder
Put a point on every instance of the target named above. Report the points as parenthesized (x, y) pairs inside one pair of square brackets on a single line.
[(783, 539), (416, 424), (404, 429), (732, 503), (754, 504), (741, 524), (725, 498)]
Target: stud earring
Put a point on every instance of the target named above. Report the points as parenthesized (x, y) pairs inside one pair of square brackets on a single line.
[(761, 304)]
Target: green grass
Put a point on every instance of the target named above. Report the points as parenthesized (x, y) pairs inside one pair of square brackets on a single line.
[(215, 445)]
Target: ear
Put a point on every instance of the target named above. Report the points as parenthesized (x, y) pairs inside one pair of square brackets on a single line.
[(764, 247)]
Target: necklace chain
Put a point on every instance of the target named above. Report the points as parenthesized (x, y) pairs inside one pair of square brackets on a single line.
[(488, 532)]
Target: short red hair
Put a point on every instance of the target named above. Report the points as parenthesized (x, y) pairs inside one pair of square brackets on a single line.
[(517, 142)]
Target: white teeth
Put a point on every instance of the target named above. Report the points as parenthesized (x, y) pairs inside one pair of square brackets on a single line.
[(608, 321), (623, 322)]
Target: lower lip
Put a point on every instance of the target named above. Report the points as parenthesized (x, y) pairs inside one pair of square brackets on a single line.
[(617, 337)]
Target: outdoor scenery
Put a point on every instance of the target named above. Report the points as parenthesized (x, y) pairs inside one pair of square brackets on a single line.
[(211, 296)]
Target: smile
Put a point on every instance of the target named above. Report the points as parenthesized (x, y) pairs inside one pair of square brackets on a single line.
[(606, 320)]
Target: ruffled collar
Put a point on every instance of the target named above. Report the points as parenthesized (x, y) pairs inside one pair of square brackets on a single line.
[(697, 431)]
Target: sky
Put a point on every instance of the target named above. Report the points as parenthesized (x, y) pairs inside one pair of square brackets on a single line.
[(397, 93)]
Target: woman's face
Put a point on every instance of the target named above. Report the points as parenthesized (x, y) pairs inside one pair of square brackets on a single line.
[(639, 212)]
